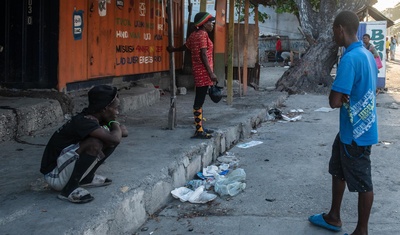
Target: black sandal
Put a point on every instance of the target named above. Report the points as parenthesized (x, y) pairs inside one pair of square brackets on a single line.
[(201, 135)]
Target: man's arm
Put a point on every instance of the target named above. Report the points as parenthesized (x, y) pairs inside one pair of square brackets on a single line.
[(174, 49), (204, 59), (112, 137), (336, 99)]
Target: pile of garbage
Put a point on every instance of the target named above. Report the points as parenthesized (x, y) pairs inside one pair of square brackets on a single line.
[(224, 178), (276, 114)]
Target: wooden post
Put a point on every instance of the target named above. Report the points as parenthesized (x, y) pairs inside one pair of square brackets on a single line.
[(257, 29), (172, 108), (203, 5), (231, 35), (239, 49), (245, 53)]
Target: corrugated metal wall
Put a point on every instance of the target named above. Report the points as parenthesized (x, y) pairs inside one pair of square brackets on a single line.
[(103, 38)]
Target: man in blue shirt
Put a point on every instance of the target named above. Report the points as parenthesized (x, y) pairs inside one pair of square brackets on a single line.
[(353, 91)]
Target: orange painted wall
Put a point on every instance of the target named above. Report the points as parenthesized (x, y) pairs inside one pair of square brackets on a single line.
[(117, 40), (72, 54)]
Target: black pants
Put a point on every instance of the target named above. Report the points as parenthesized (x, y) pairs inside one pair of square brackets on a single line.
[(200, 97)]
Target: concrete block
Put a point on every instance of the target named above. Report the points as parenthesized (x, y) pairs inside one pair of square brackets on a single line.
[(193, 167), (131, 213), (217, 146), (38, 114), (182, 90), (158, 196), (208, 155), (246, 128), (179, 176), (8, 124), (223, 143), (232, 136), (185, 81), (137, 97)]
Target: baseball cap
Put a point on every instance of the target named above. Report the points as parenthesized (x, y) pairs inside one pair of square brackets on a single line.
[(100, 97)]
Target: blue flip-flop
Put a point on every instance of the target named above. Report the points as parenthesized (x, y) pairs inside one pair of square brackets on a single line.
[(318, 220)]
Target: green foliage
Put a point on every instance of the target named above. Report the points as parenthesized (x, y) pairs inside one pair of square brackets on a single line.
[(239, 4), (290, 6)]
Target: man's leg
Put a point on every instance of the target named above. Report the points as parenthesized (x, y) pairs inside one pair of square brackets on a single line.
[(81, 166), (89, 177), (338, 184), (365, 201), (89, 151), (338, 187)]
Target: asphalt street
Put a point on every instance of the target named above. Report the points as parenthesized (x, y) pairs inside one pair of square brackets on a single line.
[(288, 180)]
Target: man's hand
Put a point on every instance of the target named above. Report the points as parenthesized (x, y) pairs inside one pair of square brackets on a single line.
[(124, 130), (170, 49), (336, 99), (213, 77), (345, 98)]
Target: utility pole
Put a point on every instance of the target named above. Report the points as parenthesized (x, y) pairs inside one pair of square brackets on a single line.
[(231, 35), (172, 108)]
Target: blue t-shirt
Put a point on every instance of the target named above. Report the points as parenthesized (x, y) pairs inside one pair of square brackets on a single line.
[(356, 76)]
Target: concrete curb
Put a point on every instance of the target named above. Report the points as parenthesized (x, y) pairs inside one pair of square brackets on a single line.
[(142, 184), (153, 192), (21, 116)]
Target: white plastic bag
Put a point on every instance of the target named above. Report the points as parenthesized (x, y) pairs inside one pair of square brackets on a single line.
[(231, 184)]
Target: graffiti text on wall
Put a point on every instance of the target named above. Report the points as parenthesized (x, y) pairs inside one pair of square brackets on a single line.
[(147, 46)]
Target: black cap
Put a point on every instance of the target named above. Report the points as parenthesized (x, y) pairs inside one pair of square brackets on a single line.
[(100, 97)]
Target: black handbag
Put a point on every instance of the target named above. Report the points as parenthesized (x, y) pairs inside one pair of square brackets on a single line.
[(215, 93)]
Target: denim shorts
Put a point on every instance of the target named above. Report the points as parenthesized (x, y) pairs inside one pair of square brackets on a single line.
[(352, 163)]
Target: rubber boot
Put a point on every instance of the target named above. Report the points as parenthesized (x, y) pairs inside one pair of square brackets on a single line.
[(198, 121)]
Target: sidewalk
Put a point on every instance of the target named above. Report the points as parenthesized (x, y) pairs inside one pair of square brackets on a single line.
[(147, 165)]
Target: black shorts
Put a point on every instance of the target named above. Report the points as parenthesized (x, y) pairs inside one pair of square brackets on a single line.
[(352, 163)]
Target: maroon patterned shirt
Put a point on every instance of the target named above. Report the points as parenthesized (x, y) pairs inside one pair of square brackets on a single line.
[(197, 40)]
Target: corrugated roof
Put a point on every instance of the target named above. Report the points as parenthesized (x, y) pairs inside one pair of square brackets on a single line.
[(374, 13)]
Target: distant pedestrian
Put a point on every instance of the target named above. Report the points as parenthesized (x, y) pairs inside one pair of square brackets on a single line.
[(278, 50), (81, 145), (201, 48), (369, 46), (353, 91), (387, 46), (286, 58), (393, 44)]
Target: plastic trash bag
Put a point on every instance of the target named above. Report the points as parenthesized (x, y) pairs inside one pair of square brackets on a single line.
[(215, 93), (198, 196), (231, 184)]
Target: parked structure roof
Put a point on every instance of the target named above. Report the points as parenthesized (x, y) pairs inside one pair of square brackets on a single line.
[(374, 13)]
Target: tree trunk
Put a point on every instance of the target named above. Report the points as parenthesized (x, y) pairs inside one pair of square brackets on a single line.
[(311, 73)]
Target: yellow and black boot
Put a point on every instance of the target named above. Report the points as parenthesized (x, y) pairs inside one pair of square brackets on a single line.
[(198, 120)]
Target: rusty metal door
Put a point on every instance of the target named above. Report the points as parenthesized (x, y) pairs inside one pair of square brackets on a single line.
[(28, 43)]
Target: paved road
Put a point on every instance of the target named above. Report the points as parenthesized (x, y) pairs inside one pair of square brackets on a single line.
[(287, 180)]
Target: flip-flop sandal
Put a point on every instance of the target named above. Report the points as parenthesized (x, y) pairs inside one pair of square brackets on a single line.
[(318, 220), (98, 181), (79, 195), (201, 135)]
